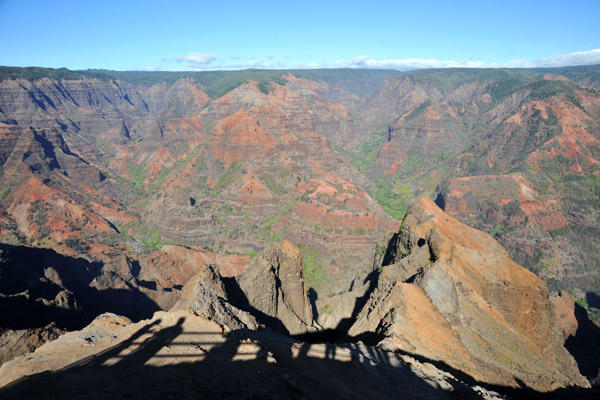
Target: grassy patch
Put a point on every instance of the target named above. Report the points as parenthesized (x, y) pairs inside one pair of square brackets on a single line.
[(173, 170), (274, 186), (138, 174), (227, 178), (366, 152), (251, 253), (4, 191), (314, 273), (266, 229), (582, 302), (149, 236), (417, 111)]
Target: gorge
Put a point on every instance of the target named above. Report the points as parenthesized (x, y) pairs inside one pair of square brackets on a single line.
[(350, 233)]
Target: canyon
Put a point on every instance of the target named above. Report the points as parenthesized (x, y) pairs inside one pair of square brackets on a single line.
[(433, 231)]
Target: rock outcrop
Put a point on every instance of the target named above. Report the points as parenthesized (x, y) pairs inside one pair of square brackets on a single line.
[(273, 289), (205, 295), (114, 189), (454, 296), (14, 343)]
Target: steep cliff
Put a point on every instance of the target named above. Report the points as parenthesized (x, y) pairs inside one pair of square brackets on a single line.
[(163, 189), (273, 289), (453, 295)]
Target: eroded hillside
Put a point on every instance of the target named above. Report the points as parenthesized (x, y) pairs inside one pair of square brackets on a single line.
[(142, 178)]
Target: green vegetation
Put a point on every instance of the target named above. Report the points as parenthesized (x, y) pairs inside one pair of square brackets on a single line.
[(149, 236), (35, 73), (110, 239), (138, 174), (278, 236), (446, 155), (325, 310), (4, 191), (37, 213), (417, 111), (251, 253), (413, 164), (543, 89), (227, 178), (264, 87), (573, 99), (577, 73), (215, 83), (394, 199), (581, 191), (274, 186), (582, 302), (366, 152), (448, 79), (552, 119), (76, 244), (362, 82), (266, 229), (314, 273), (173, 169), (540, 89)]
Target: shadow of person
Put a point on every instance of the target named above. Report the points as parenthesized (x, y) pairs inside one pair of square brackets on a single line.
[(153, 344), (313, 296), (98, 359)]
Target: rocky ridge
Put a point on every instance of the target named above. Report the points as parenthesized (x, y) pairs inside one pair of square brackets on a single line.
[(105, 172), (452, 294), (449, 296)]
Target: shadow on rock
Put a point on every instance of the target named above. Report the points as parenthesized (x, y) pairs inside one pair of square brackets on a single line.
[(584, 346), (169, 362), (39, 286)]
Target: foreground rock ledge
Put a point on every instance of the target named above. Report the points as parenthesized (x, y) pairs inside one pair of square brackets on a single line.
[(179, 354)]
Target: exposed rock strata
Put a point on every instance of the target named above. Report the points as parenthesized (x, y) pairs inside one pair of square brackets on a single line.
[(454, 295), (205, 295), (14, 343), (273, 288)]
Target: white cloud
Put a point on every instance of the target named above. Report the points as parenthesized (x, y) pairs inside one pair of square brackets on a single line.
[(578, 58), (205, 62), (197, 58), (588, 57), (149, 68), (155, 68)]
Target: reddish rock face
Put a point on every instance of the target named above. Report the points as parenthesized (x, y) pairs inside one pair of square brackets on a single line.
[(170, 176), (540, 208), (169, 194), (167, 163), (454, 295), (174, 265)]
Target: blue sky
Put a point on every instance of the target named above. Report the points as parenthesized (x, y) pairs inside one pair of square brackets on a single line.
[(204, 35)]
